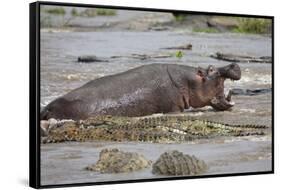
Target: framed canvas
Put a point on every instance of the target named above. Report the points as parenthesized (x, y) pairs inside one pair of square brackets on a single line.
[(121, 94)]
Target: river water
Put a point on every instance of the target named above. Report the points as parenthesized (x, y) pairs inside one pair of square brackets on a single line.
[(60, 73)]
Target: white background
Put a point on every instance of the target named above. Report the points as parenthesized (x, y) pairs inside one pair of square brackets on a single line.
[(14, 94)]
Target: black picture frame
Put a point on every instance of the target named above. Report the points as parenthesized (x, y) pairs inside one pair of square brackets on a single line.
[(34, 99)]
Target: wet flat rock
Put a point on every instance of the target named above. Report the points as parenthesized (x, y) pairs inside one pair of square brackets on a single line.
[(177, 163), (241, 58), (117, 161)]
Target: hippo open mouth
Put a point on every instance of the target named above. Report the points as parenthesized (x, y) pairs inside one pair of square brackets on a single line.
[(221, 101)]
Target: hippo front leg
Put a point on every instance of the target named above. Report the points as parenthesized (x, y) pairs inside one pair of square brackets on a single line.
[(222, 103), (181, 102), (184, 98), (180, 105)]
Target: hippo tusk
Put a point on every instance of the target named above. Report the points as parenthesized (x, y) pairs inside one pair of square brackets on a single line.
[(228, 97)]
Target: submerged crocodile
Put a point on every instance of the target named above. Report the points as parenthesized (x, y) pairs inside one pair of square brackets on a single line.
[(159, 129)]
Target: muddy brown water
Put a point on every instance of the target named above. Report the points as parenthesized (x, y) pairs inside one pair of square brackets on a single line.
[(60, 73)]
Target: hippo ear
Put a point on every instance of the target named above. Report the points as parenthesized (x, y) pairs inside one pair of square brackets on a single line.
[(201, 73)]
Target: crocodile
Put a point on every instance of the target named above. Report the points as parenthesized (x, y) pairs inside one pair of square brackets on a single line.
[(156, 129)]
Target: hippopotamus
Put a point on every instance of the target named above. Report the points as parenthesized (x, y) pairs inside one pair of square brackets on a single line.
[(145, 90)]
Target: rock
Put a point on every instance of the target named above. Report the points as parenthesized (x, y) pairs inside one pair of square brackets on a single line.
[(241, 58), (183, 47), (223, 22), (117, 161), (152, 56), (251, 92), (176, 163), (159, 28), (143, 56), (90, 58)]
